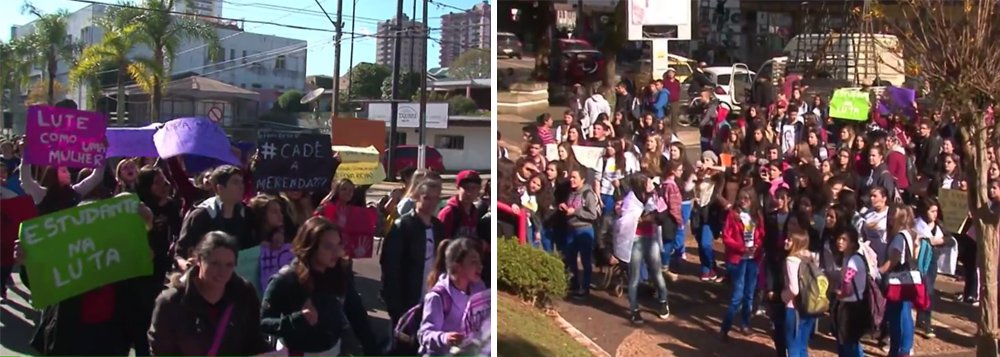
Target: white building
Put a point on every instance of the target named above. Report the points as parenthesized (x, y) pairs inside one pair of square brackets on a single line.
[(200, 7), (263, 63)]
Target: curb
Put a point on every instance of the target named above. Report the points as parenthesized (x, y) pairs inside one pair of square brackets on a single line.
[(578, 336)]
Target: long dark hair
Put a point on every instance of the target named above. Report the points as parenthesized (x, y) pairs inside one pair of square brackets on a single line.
[(144, 185), (637, 183), (333, 196), (304, 246), (210, 242)]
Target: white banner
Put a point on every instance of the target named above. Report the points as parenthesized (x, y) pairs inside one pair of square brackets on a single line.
[(588, 156), (408, 115), (659, 12)]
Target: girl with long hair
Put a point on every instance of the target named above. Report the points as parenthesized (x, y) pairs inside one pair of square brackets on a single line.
[(126, 174), (452, 282), (309, 302), (849, 306), (798, 327), (932, 240), (334, 206), (637, 228), (652, 160), (902, 251), (742, 236)]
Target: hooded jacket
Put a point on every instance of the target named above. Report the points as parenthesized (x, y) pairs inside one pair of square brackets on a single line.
[(732, 237), (594, 106), (456, 221), (440, 319), (587, 207), (207, 217)]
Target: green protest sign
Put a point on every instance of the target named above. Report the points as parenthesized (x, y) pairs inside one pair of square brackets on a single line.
[(248, 266), (850, 104), (73, 251)]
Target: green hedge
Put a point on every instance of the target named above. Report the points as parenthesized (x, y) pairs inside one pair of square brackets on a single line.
[(530, 273)]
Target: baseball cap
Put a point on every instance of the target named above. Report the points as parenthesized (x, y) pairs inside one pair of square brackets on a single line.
[(468, 176)]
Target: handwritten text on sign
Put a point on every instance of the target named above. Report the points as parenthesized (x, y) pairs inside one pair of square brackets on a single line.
[(477, 314), (78, 249), (293, 161), (850, 104), (64, 137)]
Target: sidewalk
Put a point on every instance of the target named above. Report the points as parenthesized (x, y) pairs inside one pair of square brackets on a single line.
[(697, 309)]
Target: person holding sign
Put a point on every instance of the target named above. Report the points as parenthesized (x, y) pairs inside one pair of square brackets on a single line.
[(224, 212), (56, 191), (454, 279), (302, 303), (208, 310)]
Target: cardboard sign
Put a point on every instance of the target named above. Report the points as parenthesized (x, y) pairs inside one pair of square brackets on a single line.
[(194, 136), (360, 165), (358, 237), (248, 266), (132, 142), (850, 105), (79, 249), (954, 208), (64, 137), (898, 100), (588, 156), (787, 138), (477, 315), (288, 161)]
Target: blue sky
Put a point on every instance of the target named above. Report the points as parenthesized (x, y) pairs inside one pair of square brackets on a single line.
[(369, 12)]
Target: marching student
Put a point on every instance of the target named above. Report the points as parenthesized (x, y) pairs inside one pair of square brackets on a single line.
[(455, 278), (798, 327), (581, 210)]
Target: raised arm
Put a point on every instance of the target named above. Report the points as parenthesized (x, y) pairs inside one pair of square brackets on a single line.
[(91, 182), (30, 186)]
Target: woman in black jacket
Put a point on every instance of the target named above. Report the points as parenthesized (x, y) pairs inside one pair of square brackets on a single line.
[(311, 303)]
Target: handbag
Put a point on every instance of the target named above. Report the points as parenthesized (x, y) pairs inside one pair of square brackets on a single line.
[(906, 283)]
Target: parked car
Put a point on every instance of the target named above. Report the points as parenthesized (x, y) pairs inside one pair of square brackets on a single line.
[(732, 84), (581, 62), (405, 157), (508, 45)]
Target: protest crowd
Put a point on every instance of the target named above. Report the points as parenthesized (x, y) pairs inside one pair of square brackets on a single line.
[(829, 219), (178, 250)]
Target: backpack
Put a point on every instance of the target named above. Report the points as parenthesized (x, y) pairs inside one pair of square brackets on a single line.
[(635, 108), (874, 300), (406, 329), (813, 284)]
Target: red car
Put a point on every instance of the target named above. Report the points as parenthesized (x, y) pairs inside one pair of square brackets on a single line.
[(405, 157), (581, 62)]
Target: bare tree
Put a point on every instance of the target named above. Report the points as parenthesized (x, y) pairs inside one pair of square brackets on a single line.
[(955, 46)]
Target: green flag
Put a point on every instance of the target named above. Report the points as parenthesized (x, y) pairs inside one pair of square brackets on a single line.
[(850, 104), (76, 250)]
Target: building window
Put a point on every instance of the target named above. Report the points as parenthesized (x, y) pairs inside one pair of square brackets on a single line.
[(256, 86), (244, 56), (455, 142), (232, 54), (400, 139), (279, 63)]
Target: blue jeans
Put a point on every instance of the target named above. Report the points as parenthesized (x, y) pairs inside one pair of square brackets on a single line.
[(682, 231), (900, 327), (644, 250), (706, 236), (744, 278), (546, 243), (851, 349), (609, 205), (798, 329), (580, 243)]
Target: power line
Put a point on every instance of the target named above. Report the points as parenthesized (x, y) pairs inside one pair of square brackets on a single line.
[(297, 11), (443, 5)]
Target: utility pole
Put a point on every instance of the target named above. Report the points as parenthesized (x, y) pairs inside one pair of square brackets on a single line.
[(350, 73), (422, 148), (412, 36), (394, 104), (336, 57)]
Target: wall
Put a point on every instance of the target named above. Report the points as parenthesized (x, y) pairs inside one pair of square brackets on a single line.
[(475, 156)]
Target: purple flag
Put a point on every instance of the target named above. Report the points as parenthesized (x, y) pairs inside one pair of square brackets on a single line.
[(194, 136), (132, 142), (64, 137)]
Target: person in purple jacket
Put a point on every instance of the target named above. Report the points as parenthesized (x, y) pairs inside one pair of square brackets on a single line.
[(454, 279)]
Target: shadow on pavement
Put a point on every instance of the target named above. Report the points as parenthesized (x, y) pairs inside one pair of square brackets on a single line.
[(17, 332), (508, 345)]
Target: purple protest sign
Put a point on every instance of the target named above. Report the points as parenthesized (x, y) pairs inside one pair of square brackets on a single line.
[(194, 136), (64, 137), (477, 314), (132, 142), (898, 99)]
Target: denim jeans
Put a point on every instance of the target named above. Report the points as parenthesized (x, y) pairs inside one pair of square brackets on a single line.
[(609, 205), (900, 320), (850, 349), (682, 231), (743, 275), (644, 250), (580, 243), (706, 236), (798, 329), (546, 242)]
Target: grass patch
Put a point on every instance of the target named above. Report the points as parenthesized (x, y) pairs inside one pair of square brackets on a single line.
[(526, 331)]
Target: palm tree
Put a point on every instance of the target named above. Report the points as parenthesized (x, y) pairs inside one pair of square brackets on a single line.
[(16, 58), (52, 42), (120, 37), (163, 33)]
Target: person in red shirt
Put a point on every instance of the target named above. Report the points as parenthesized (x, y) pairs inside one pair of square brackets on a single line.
[(459, 214), (742, 235), (674, 86)]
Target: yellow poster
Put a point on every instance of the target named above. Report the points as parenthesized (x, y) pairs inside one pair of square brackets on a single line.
[(360, 165), (954, 208)]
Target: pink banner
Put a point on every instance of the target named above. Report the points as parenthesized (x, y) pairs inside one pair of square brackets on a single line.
[(358, 237), (65, 137)]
